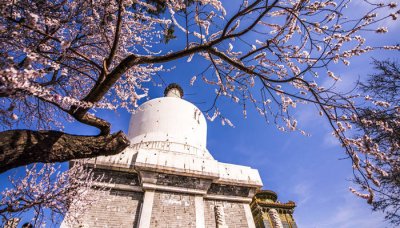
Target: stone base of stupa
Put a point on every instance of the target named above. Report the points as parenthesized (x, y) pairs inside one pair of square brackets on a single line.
[(160, 189)]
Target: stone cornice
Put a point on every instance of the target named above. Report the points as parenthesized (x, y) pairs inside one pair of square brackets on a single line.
[(288, 205)]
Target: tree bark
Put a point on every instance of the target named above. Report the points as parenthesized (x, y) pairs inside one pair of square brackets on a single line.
[(23, 147)]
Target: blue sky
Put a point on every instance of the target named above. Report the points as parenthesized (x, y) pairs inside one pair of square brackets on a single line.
[(308, 170)]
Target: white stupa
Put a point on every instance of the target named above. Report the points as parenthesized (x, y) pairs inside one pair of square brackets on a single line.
[(170, 134), (172, 177)]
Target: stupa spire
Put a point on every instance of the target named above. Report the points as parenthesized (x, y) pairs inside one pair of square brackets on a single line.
[(173, 90)]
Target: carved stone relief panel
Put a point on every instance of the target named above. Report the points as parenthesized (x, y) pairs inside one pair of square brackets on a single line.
[(229, 190), (178, 181), (116, 177), (220, 216)]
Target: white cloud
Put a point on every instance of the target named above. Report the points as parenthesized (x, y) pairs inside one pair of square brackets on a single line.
[(302, 191), (330, 141), (349, 212), (353, 212)]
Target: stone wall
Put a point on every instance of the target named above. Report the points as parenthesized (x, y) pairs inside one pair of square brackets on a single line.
[(173, 210), (118, 209), (170, 207), (235, 216)]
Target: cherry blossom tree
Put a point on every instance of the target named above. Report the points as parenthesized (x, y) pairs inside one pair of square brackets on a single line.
[(70, 58), (48, 194), (382, 125)]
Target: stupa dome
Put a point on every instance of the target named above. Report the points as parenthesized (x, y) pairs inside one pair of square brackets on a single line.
[(169, 119)]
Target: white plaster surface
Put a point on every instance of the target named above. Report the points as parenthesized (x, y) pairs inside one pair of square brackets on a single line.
[(145, 215), (249, 216), (168, 119), (183, 164), (169, 134), (199, 204), (229, 173)]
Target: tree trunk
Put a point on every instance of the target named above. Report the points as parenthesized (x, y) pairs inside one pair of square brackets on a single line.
[(23, 147)]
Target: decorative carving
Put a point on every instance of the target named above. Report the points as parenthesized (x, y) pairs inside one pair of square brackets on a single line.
[(178, 181), (229, 190), (165, 145), (161, 145), (276, 220), (220, 216), (117, 177)]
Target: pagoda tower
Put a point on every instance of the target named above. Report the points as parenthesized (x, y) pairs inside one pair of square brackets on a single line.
[(268, 212), (168, 178)]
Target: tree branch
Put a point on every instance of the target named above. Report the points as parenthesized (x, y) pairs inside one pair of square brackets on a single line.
[(23, 147), (116, 37)]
